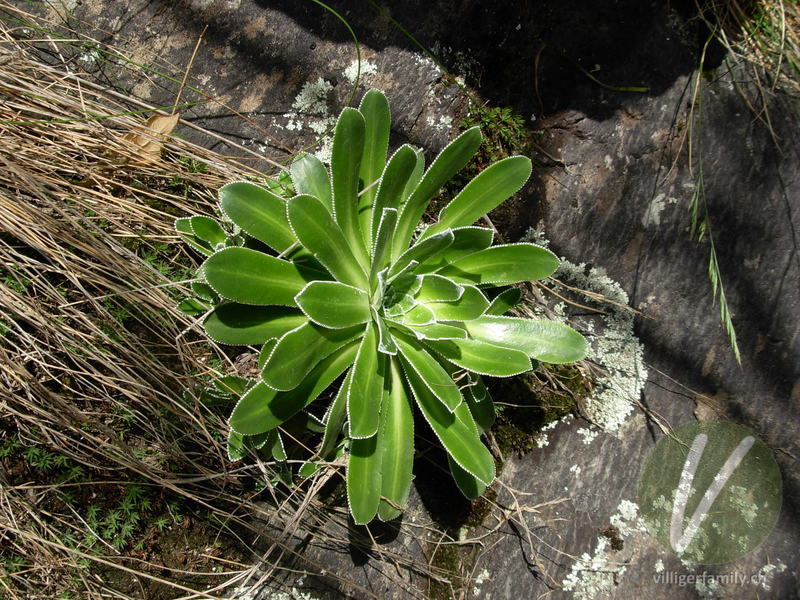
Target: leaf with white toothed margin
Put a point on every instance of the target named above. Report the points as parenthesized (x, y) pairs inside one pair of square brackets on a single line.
[(366, 387), (252, 277), (435, 377), (390, 191), (375, 109), (300, 349), (263, 408), (504, 301), (546, 341), (456, 431), (244, 324), (333, 304), (420, 251), (510, 263), (481, 357), (397, 445), (471, 305), (310, 177), (322, 236), (466, 241)]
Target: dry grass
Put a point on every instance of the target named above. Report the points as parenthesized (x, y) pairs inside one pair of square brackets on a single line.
[(98, 369)]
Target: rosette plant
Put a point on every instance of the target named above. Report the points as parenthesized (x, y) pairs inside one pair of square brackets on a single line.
[(332, 276)]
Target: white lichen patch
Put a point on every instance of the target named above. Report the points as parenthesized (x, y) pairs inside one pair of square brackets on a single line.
[(588, 435), (595, 575), (541, 439), (368, 69), (616, 349), (481, 577), (310, 110), (443, 123), (659, 566), (767, 573), (652, 216)]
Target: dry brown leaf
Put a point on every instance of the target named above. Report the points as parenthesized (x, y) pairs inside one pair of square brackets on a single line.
[(147, 141)]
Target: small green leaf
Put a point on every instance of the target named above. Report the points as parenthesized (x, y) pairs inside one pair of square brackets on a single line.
[(485, 192), (445, 165), (302, 348), (469, 485), (320, 234), (258, 212), (348, 146), (436, 288), (546, 341), (242, 324), (456, 431), (480, 402), (419, 314), (375, 109), (422, 250), (504, 301), (393, 181), (466, 241), (470, 305), (333, 304), (252, 277), (437, 331), (209, 230), (263, 408), (386, 343), (366, 387), (396, 445), (236, 447), (510, 263), (310, 177), (383, 243), (434, 376), (482, 358), (364, 479)]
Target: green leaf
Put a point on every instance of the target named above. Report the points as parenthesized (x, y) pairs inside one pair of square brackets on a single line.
[(445, 165), (485, 192), (320, 234), (510, 263), (184, 227), (386, 343), (437, 331), (482, 358), (266, 350), (396, 445), (263, 408), (364, 479), (434, 376), (300, 349), (422, 250), (348, 146), (415, 177), (375, 109), (232, 384), (334, 420), (366, 387), (203, 291), (393, 181), (471, 305), (382, 248), (310, 177), (466, 241), (436, 288), (419, 314), (236, 447), (469, 485), (260, 213), (456, 431), (333, 304), (242, 324), (504, 301), (209, 230), (546, 341), (480, 402), (252, 277), (193, 307)]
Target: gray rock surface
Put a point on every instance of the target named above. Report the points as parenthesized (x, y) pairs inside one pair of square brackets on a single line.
[(612, 191)]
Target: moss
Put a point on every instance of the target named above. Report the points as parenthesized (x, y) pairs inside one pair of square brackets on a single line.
[(533, 401), (481, 508), (447, 565)]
